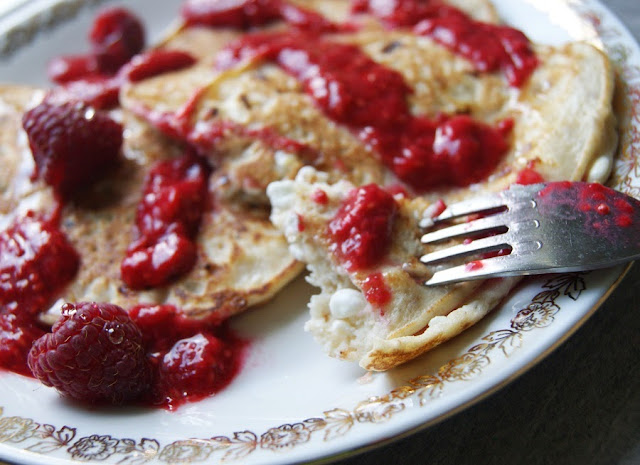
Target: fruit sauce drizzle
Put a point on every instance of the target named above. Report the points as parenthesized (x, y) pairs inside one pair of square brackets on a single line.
[(186, 359), (174, 199)]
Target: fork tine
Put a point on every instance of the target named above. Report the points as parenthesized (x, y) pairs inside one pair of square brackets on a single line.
[(486, 244), (478, 269), (468, 207), (488, 224)]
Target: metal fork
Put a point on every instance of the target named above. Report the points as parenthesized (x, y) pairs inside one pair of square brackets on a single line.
[(536, 229)]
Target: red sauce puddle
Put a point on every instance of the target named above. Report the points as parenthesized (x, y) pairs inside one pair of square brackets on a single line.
[(191, 358)]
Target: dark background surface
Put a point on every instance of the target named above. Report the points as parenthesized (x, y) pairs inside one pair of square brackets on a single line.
[(581, 405)]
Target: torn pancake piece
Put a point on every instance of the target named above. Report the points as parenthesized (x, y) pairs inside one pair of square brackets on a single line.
[(380, 314)]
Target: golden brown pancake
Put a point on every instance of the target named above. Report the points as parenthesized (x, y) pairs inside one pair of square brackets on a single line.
[(264, 96), (231, 273)]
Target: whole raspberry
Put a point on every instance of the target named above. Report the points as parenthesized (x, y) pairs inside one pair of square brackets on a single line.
[(72, 143), (36, 262), (116, 36), (94, 354)]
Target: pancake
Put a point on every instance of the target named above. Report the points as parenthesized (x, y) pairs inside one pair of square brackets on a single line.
[(272, 147), (99, 224), (546, 135), (265, 96), (342, 321), (573, 79)]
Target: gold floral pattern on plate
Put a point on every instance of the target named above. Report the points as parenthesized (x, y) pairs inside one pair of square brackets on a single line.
[(539, 313)]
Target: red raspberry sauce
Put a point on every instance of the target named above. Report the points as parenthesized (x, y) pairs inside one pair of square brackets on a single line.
[(489, 47), (360, 232), (320, 197), (72, 67), (371, 100), (376, 291), (191, 359), (156, 62), (36, 262), (167, 221), (96, 77), (603, 210), (528, 176), (246, 14)]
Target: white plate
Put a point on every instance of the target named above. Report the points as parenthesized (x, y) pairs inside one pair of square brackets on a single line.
[(291, 403)]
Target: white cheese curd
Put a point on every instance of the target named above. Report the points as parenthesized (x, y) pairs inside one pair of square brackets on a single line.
[(291, 225), (309, 174), (346, 303)]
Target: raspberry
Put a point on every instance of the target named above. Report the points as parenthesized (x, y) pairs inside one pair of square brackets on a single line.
[(194, 365), (94, 354), (72, 144), (116, 36)]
